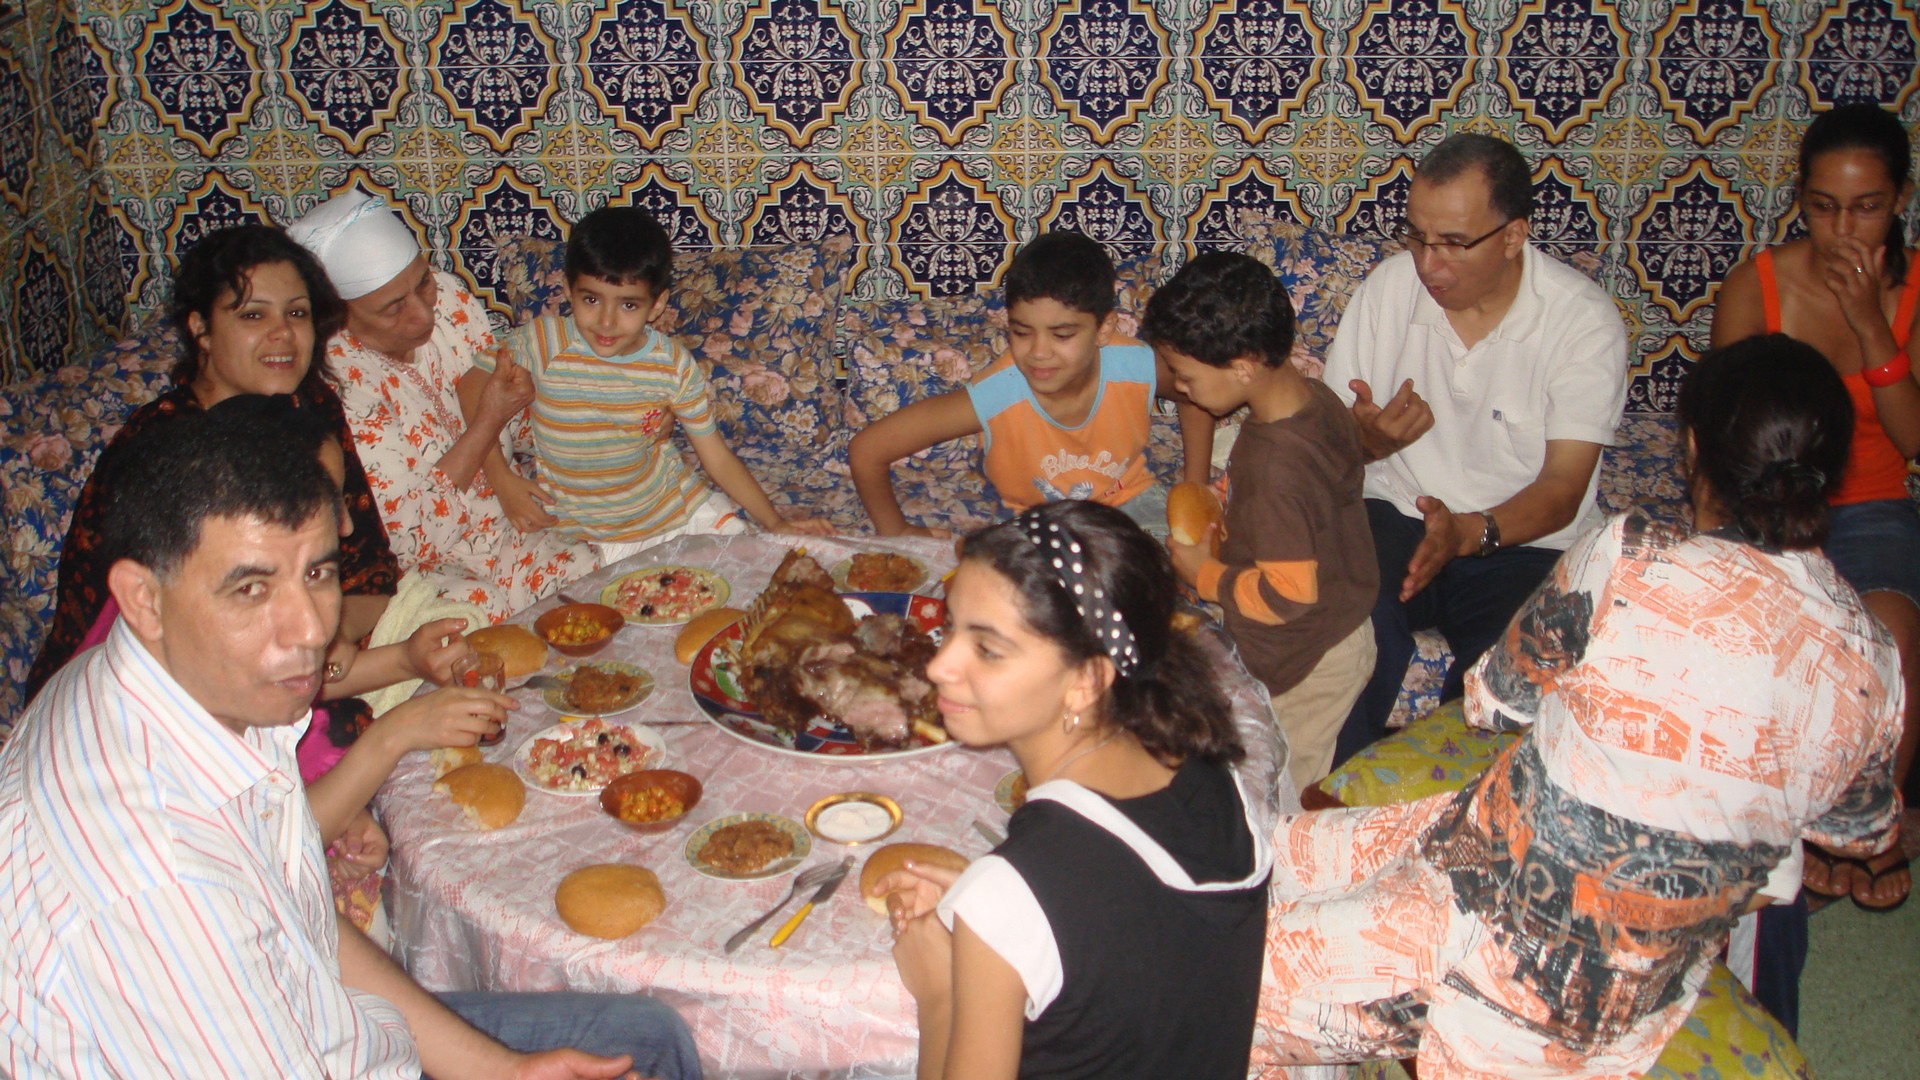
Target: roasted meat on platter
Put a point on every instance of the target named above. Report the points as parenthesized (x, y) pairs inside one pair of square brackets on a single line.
[(803, 655)]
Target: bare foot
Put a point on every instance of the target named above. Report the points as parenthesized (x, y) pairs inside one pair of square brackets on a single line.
[(1827, 875)]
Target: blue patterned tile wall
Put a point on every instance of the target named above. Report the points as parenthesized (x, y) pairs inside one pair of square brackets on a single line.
[(940, 132)]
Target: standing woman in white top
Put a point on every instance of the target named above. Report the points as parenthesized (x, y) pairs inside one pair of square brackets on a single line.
[(1117, 932)]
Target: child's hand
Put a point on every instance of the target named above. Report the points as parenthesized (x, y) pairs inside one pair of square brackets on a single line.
[(525, 503), (452, 716), (363, 843), (508, 390), (433, 649), (805, 527), (913, 891), (923, 530), (1189, 558)]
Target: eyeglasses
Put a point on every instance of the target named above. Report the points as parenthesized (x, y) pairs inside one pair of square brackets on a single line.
[(1827, 208), (1446, 249)]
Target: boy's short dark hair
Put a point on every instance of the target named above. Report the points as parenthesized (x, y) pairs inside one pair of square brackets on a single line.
[(1068, 268), (172, 476), (1222, 306), (620, 244)]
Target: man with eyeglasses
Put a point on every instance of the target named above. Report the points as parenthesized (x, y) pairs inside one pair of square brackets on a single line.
[(1485, 376)]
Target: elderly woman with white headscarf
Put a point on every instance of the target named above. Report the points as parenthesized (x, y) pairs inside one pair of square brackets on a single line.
[(452, 504)]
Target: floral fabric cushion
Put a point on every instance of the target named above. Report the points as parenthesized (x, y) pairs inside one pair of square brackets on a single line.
[(52, 429), (760, 320)]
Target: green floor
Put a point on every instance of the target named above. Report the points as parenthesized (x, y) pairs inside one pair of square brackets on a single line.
[(1860, 995)]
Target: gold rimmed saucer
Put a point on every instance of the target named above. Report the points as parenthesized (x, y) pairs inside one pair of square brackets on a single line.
[(852, 818)]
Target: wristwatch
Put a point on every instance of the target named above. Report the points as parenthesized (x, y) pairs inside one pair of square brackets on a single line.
[(1490, 536)]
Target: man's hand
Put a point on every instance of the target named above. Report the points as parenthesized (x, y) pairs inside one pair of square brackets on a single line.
[(1189, 558), (792, 526), (508, 390), (434, 648), (572, 1065), (1449, 536), (525, 503), (1387, 429)]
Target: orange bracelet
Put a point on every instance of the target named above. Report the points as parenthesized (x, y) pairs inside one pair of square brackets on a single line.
[(1896, 368)]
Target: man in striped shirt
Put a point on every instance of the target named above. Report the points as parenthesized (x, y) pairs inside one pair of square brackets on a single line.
[(166, 909)]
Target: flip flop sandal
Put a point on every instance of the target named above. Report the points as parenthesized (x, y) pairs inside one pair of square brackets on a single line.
[(1873, 878), (1832, 862)]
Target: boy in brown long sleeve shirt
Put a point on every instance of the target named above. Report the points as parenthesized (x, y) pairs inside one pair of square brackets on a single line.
[(1296, 574)]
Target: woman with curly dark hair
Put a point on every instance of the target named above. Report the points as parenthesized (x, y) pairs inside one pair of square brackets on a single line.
[(253, 310)]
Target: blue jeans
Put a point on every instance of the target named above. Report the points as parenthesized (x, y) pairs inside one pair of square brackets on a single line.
[(605, 1024), (1470, 601)]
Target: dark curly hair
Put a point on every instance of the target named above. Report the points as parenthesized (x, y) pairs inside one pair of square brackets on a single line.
[(1222, 306), (1771, 425), (221, 265), (1173, 701)]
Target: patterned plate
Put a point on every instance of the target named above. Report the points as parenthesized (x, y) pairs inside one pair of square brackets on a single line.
[(1011, 791), (647, 737), (556, 696), (720, 697), (802, 847), (628, 592)]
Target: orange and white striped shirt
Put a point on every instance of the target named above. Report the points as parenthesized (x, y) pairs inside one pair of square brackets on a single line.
[(602, 428), (166, 909)]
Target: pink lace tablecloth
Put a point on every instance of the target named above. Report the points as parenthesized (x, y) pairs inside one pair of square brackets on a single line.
[(474, 910)]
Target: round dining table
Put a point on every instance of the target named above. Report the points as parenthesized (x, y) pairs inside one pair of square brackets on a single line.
[(474, 910)]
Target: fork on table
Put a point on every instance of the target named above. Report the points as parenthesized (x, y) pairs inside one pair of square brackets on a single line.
[(807, 879)]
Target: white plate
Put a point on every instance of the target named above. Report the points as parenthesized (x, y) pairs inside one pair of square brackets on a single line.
[(845, 567), (556, 696), (716, 585), (802, 847), (523, 757)]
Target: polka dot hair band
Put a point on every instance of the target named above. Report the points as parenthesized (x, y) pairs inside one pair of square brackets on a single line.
[(1062, 551)]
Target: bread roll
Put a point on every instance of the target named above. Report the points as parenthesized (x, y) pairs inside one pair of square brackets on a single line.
[(448, 758), (609, 900), (888, 858), (1191, 507), (701, 628), (492, 795), (519, 648)]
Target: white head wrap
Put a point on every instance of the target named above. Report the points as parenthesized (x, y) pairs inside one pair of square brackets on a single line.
[(360, 241)]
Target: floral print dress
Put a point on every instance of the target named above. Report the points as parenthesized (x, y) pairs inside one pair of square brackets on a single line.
[(405, 417)]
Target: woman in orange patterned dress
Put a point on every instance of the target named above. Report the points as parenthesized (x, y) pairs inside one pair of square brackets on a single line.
[(1692, 705)]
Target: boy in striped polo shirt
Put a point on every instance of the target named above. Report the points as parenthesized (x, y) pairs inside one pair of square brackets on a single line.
[(608, 389)]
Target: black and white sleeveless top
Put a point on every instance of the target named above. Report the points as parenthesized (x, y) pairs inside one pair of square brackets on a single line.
[(1136, 925)]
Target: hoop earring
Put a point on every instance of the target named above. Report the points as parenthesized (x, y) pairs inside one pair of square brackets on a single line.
[(1069, 723)]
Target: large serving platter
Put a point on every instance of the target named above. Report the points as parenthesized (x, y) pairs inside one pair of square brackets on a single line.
[(718, 692)]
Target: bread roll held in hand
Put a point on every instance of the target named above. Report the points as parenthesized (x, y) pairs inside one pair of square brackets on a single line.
[(609, 900), (701, 628), (1191, 507), (492, 795), (890, 857), (519, 648)]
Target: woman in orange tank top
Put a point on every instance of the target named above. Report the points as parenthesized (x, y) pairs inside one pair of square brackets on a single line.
[(1850, 289)]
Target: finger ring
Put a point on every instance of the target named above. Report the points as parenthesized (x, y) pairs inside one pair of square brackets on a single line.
[(334, 671), (1859, 269)]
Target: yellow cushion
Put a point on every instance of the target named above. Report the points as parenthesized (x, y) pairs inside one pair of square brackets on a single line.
[(1435, 753)]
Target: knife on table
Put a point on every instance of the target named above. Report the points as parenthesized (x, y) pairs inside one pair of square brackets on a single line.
[(820, 896)]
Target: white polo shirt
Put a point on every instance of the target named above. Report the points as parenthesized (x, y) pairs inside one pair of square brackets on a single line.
[(1555, 368)]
